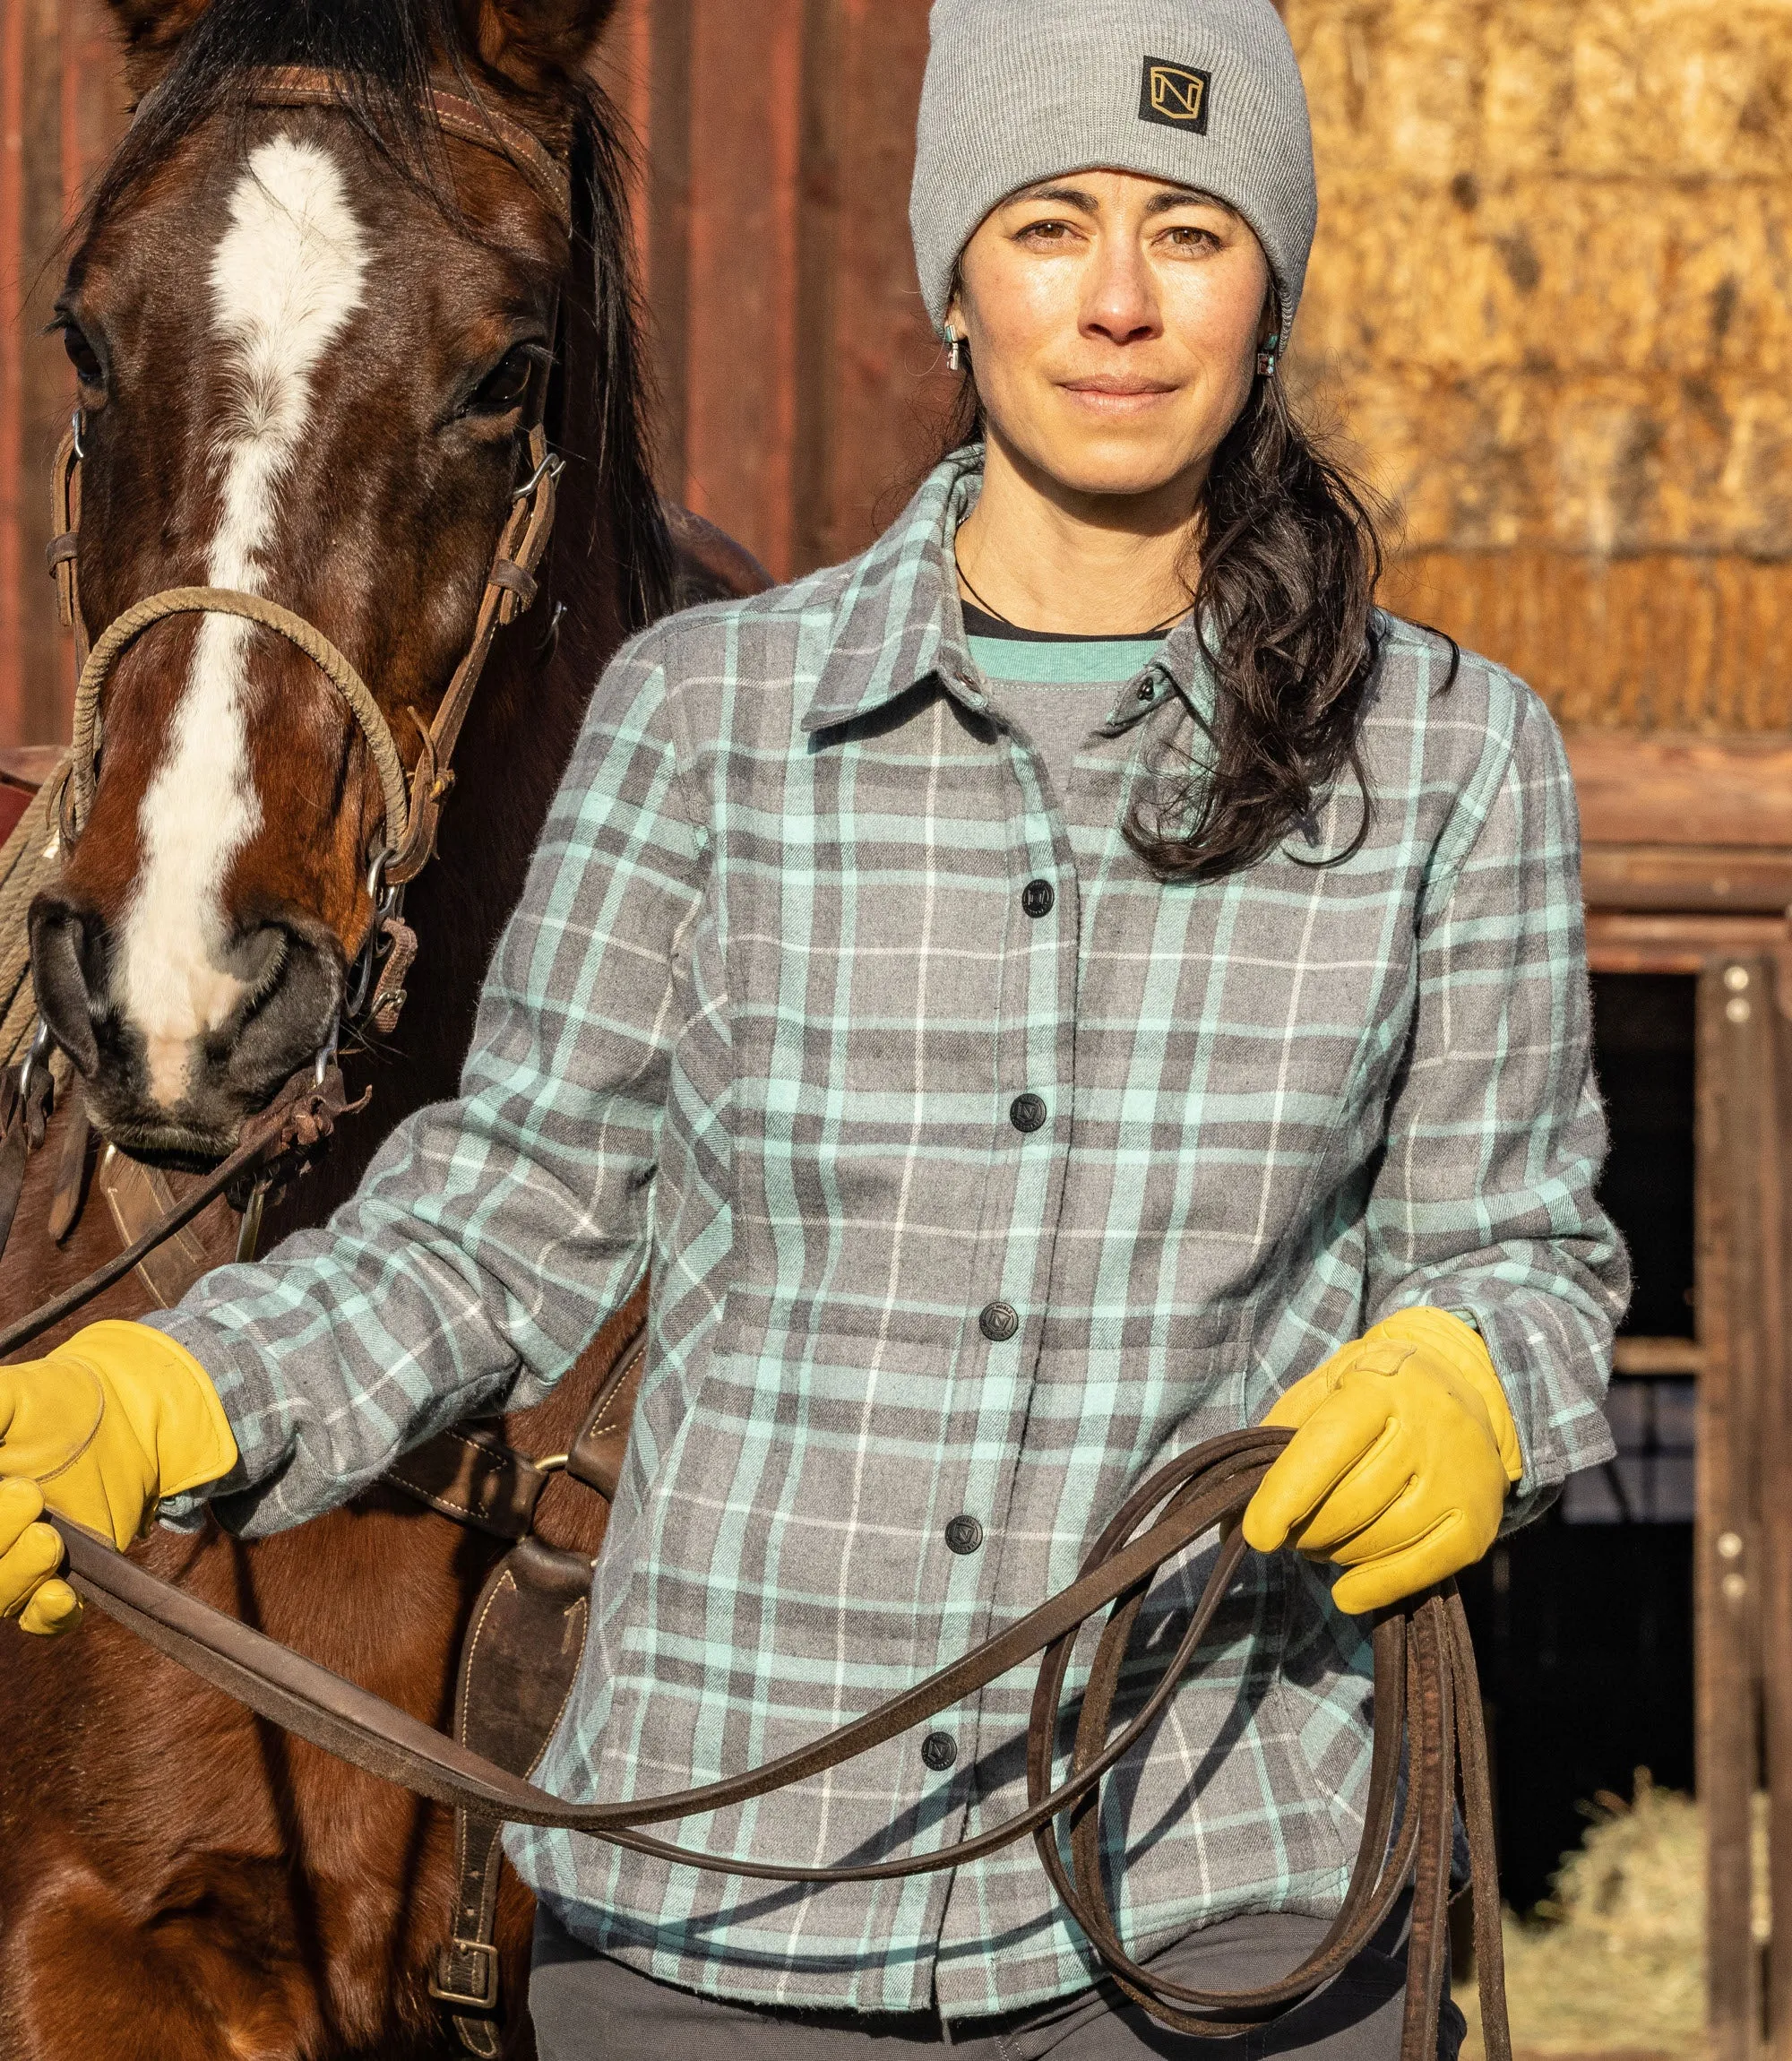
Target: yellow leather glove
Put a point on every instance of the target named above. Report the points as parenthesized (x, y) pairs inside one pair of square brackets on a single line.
[(1404, 1448), (99, 1431)]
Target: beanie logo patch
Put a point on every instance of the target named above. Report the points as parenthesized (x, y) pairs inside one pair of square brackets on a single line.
[(1176, 95)]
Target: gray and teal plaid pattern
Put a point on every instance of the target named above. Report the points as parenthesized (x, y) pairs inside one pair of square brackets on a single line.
[(761, 1021)]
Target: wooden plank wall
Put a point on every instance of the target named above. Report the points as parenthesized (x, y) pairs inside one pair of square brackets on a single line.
[(61, 107), (802, 390)]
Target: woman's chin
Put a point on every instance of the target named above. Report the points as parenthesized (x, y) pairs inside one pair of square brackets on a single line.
[(1125, 474)]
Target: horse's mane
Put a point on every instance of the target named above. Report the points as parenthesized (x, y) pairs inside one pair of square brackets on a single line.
[(385, 53)]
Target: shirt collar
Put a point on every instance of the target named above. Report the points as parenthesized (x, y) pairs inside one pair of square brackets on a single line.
[(900, 621)]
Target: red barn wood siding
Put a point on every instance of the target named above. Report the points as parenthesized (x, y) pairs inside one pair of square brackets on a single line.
[(801, 389), (61, 107)]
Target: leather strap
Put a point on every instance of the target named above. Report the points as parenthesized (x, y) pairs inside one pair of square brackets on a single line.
[(597, 1455), (520, 550), (293, 1125), (521, 1650), (1428, 1714), (64, 546), (474, 1478), (517, 1670)]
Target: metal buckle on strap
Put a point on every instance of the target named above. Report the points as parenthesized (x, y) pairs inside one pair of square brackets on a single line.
[(461, 1958), (550, 467)]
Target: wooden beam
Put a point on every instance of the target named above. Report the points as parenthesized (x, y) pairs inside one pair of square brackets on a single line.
[(1631, 944), (1696, 879), (820, 141), (1736, 1043), (1638, 789), (1667, 1357), (746, 121), (1775, 1467), (668, 239)]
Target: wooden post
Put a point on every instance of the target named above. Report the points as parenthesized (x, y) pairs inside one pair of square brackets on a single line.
[(1776, 1510), (1737, 1046)]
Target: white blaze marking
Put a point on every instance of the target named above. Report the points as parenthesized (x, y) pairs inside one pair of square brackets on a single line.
[(285, 279)]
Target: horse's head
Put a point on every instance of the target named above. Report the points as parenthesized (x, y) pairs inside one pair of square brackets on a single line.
[(312, 343)]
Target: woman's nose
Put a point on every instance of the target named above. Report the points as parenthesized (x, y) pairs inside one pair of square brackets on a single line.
[(1121, 301)]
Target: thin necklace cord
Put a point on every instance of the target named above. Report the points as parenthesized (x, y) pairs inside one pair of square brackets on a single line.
[(1157, 630)]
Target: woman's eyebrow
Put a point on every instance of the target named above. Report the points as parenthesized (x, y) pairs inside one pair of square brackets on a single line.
[(1085, 202), (1186, 197), (1076, 197)]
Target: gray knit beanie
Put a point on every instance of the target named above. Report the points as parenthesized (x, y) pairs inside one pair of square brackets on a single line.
[(1206, 92)]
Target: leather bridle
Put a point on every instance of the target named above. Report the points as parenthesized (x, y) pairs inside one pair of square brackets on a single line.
[(410, 811)]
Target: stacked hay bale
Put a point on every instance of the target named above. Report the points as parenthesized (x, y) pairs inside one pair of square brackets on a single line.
[(1616, 1958), (1552, 301)]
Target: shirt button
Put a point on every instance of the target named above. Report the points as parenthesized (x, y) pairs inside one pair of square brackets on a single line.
[(1038, 897), (999, 1322), (1149, 692), (964, 1535), (1027, 1113), (938, 1751)]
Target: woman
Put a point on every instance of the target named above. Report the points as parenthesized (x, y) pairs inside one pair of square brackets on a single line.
[(1060, 987)]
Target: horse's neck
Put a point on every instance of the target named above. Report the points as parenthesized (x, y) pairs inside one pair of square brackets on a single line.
[(519, 735)]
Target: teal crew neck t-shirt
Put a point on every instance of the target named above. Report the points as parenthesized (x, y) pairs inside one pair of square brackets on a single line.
[(1057, 689)]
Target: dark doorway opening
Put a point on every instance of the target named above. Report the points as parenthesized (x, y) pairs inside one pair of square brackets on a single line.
[(1583, 1622)]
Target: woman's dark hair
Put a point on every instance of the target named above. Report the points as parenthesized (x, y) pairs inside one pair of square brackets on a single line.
[(1285, 601)]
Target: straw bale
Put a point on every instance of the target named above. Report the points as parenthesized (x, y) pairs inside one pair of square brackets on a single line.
[(1551, 308), (1610, 466), (1616, 1958), (1552, 275), (1667, 90)]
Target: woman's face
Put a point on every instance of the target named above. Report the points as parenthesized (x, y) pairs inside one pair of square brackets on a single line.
[(1114, 323)]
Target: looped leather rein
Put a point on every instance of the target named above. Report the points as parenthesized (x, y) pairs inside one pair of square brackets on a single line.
[(1428, 1722)]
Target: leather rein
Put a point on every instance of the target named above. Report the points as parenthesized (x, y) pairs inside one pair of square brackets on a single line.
[(1427, 1731), (1429, 1750)]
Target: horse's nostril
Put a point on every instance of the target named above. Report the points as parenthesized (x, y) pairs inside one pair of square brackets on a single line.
[(68, 971), (295, 984)]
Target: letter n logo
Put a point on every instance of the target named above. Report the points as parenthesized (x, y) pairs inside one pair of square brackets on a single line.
[(1176, 95)]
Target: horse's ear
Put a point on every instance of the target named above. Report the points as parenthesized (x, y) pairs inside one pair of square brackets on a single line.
[(537, 45), (152, 29)]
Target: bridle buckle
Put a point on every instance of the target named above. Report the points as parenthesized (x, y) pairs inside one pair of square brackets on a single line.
[(457, 1962), (550, 469)]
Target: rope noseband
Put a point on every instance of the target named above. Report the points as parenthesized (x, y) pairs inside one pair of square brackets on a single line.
[(270, 616)]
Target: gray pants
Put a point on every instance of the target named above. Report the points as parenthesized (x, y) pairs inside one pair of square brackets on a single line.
[(589, 2008)]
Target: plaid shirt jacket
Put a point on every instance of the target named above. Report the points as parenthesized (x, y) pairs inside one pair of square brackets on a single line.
[(807, 920)]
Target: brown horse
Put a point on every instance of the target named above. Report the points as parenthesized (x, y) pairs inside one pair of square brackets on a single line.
[(310, 341)]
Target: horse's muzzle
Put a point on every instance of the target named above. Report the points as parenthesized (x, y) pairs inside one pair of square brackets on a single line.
[(226, 1072)]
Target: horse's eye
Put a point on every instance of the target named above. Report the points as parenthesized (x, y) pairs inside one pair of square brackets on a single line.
[(83, 355), (506, 386)]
